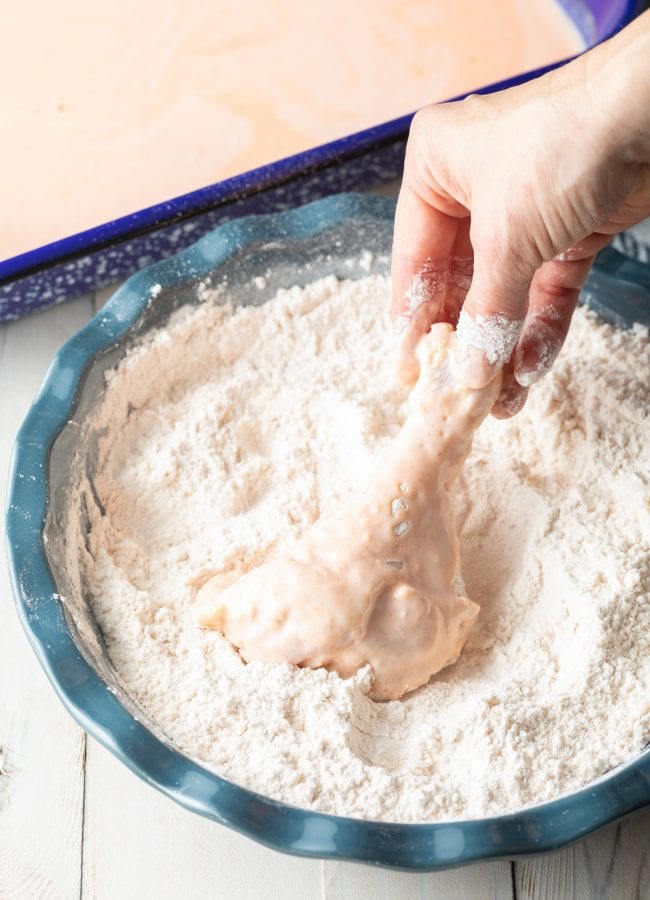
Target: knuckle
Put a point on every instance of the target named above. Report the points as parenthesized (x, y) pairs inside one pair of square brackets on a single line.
[(427, 123), (419, 124)]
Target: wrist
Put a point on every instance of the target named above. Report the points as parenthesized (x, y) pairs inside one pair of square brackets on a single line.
[(617, 83)]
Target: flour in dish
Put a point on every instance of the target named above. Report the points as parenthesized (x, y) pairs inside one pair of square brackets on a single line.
[(233, 429)]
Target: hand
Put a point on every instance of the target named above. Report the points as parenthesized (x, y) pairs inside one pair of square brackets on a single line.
[(506, 200)]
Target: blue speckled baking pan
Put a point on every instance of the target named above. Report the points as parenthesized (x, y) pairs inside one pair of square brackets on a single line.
[(293, 247), (370, 158)]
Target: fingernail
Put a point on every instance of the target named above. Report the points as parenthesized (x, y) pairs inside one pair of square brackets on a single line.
[(471, 367), (407, 371), (535, 355), (407, 366), (511, 400)]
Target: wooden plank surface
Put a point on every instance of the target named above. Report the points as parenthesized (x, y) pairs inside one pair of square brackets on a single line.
[(613, 864), (41, 749), (488, 881), (125, 840), (139, 844)]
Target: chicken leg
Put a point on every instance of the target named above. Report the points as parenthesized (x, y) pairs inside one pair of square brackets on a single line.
[(374, 581)]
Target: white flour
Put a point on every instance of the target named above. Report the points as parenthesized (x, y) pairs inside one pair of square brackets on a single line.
[(232, 431), (495, 336)]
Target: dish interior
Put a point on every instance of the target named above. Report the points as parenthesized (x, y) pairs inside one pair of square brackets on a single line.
[(351, 249)]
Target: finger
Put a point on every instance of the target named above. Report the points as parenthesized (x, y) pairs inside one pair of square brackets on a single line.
[(634, 210), (493, 313), (553, 297), (431, 271), (432, 253), (512, 396), (587, 247)]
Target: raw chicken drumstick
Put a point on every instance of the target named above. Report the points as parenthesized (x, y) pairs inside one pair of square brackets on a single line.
[(373, 582)]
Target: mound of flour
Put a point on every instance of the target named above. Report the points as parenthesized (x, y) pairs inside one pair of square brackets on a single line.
[(234, 429)]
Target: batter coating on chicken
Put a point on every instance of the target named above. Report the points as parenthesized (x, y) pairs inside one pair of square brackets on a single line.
[(374, 581)]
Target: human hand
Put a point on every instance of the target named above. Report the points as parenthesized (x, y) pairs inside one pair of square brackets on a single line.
[(506, 200)]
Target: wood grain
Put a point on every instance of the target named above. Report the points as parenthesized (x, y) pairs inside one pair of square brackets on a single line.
[(346, 881), (139, 844), (613, 864), (42, 750)]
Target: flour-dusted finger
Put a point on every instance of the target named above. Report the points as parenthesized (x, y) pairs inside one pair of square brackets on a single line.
[(553, 297)]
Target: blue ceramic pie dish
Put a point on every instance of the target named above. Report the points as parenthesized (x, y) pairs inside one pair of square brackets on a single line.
[(295, 247)]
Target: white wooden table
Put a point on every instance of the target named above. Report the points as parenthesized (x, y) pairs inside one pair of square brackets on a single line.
[(76, 823)]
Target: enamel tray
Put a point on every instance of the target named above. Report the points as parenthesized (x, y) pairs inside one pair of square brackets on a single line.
[(369, 159)]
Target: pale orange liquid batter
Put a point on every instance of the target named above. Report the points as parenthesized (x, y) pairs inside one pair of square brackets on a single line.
[(108, 108)]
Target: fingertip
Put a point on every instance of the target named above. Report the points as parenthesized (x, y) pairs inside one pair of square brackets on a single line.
[(527, 379), (511, 399), (407, 364), (484, 343), (537, 350)]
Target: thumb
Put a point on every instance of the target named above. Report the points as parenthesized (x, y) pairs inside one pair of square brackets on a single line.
[(493, 313)]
